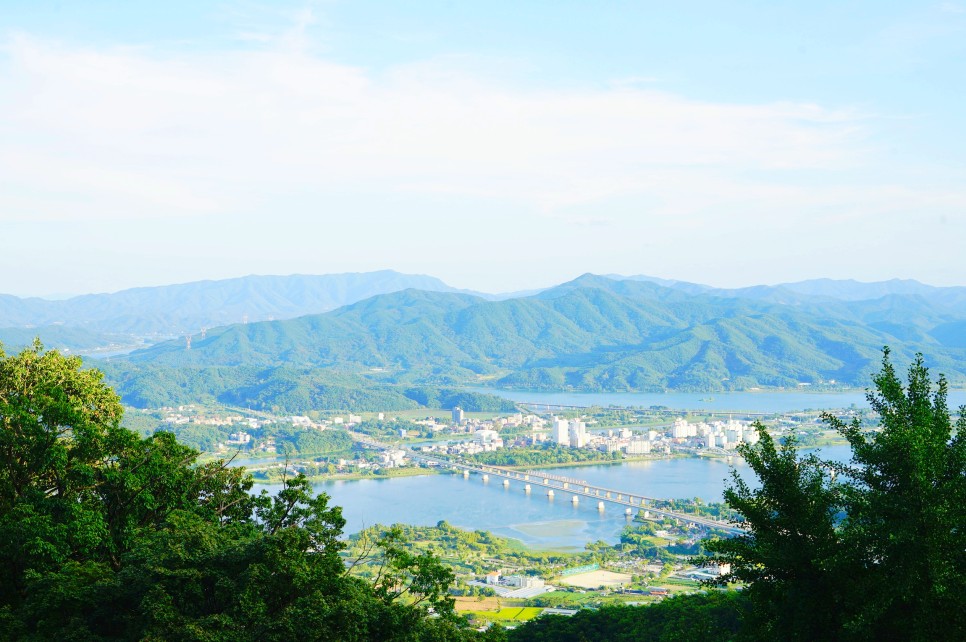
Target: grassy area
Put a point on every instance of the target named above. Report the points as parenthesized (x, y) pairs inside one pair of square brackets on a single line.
[(678, 585), (568, 599), (389, 473), (508, 614), (656, 541)]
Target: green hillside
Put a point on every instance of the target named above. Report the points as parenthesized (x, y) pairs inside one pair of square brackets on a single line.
[(281, 389), (593, 334)]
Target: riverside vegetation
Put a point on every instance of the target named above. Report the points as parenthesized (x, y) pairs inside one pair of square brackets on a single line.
[(108, 535)]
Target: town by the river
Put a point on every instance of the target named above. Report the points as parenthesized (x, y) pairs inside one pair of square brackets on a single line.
[(558, 524), (539, 522)]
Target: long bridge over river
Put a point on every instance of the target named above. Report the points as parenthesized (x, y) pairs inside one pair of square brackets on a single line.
[(578, 491), (554, 485)]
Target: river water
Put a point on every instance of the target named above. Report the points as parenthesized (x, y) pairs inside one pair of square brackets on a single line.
[(752, 402), (557, 524), (533, 519)]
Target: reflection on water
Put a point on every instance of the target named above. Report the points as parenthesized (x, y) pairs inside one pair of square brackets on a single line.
[(532, 518), (509, 511)]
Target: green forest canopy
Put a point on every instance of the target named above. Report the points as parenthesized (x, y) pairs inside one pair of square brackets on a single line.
[(105, 535)]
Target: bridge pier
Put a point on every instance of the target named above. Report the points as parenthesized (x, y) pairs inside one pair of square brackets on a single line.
[(575, 488)]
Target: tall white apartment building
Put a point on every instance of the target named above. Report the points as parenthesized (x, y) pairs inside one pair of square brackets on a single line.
[(560, 432), (578, 434)]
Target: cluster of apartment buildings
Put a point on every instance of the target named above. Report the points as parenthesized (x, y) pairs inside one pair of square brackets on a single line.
[(573, 433), (719, 434), (186, 415)]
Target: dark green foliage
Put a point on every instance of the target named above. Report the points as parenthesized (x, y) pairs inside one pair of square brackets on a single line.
[(710, 616), (787, 557), (878, 552), (105, 535), (905, 499)]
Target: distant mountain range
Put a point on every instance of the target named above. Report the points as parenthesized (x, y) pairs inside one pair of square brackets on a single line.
[(186, 308), (594, 333), (816, 290)]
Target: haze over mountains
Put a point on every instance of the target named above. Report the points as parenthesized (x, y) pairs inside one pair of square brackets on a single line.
[(385, 330), (176, 309)]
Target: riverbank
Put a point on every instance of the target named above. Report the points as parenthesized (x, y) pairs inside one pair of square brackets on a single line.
[(391, 473), (594, 462)]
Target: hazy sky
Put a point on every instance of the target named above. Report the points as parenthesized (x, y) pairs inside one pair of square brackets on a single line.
[(496, 145)]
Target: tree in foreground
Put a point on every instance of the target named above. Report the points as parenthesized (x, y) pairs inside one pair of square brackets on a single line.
[(875, 549), (712, 616), (108, 536)]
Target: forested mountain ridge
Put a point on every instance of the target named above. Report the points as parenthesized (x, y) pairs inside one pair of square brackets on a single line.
[(825, 291), (593, 333), (187, 307)]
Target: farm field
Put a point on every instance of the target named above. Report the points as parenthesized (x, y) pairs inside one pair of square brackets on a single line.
[(509, 614)]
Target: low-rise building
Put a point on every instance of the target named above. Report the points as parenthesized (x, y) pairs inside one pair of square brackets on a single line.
[(523, 581)]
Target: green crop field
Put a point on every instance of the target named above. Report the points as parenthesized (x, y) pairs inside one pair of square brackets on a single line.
[(512, 614)]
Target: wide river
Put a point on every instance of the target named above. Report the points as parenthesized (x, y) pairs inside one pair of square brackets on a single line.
[(752, 402), (534, 519), (558, 524)]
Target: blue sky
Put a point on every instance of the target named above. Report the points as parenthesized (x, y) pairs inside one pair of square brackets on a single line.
[(499, 146)]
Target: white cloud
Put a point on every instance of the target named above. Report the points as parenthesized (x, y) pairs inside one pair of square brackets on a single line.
[(277, 159), (189, 135)]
